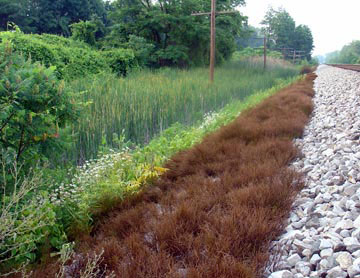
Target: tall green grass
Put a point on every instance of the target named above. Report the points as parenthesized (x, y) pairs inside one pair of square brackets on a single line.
[(147, 102)]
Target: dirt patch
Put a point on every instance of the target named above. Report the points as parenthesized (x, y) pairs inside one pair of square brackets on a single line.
[(216, 210)]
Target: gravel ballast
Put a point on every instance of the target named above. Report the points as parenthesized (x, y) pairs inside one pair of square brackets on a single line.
[(322, 238)]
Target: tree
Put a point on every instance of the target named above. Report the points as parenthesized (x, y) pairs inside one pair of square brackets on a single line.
[(33, 104), (282, 32), (84, 31), (303, 40), (178, 38), (250, 37), (8, 9), (48, 16), (279, 28)]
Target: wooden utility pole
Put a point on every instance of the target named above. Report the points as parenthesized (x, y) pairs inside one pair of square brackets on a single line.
[(212, 14), (212, 39)]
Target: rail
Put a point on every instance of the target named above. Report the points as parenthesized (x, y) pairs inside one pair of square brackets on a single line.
[(346, 66)]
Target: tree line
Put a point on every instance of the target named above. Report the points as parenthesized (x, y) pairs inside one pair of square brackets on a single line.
[(162, 33), (349, 54)]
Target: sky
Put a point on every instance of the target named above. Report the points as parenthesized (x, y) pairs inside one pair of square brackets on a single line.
[(333, 23)]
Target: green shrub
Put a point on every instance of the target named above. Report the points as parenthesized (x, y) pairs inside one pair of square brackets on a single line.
[(33, 105), (28, 220), (120, 60), (59, 40), (72, 59), (251, 52), (84, 31)]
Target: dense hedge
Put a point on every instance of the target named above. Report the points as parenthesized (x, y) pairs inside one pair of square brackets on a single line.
[(72, 59), (250, 52)]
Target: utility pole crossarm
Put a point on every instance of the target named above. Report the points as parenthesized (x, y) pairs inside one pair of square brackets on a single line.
[(212, 14), (216, 13)]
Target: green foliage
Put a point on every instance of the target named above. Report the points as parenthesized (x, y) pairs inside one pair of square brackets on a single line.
[(147, 102), (28, 219), (33, 105), (178, 38), (250, 37), (282, 32), (121, 61), (100, 184), (142, 49), (251, 52), (8, 12), (72, 59), (349, 54), (303, 40), (84, 31), (48, 16)]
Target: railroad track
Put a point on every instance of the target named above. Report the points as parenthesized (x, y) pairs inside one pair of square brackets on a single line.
[(348, 67)]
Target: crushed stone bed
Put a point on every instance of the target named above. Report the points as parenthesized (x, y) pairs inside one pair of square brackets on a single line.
[(322, 238)]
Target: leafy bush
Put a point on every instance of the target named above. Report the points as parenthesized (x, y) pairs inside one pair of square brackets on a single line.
[(84, 31), (120, 60), (33, 105), (60, 41), (27, 219), (143, 50), (72, 59), (250, 52)]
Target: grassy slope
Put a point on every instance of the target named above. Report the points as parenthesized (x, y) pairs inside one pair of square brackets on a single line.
[(146, 103), (103, 183), (218, 206)]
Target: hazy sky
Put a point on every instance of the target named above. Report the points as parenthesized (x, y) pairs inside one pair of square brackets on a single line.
[(333, 23)]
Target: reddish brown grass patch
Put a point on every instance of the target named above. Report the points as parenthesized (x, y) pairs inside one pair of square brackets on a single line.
[(222, 202)]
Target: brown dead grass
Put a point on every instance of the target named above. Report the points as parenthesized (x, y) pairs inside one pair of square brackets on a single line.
[(216, 210)]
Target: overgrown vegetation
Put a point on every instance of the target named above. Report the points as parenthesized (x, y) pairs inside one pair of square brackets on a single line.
[(235, 182), (33, 106), (99, 185), (252, 52), (146, 103), (71, 59), (88, 118)]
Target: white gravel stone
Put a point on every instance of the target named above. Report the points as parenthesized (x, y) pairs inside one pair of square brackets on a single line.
[(315, 259), (336, 272), (353, 270), (326, 253), (323, 232), (352, 244), (346, 224), (325, 244), (357, 222), (344, 259), (293, 259), (282, 274)]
